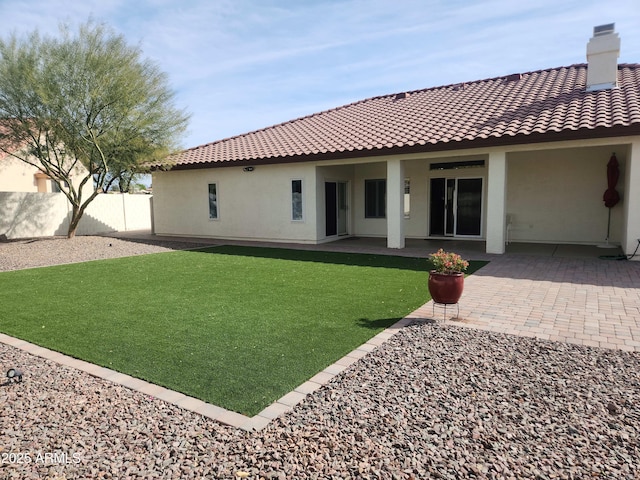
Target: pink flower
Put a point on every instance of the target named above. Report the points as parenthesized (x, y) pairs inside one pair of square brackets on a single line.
[(444, 262)]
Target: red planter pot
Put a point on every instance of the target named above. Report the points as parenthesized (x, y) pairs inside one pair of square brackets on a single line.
[(446, 288)]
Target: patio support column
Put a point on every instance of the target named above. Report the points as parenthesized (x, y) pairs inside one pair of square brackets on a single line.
[(395, 203), (496, 202), (631, 229)]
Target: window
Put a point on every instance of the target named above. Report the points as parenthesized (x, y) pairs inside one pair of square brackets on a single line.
[(407, 197), (375, 198), (213, 201), (55, 188), (296, 199)]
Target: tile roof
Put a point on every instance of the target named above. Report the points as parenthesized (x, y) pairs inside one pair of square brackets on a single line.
[(544, 105)]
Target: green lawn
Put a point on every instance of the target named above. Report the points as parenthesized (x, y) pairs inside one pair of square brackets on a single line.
[(234, 326)]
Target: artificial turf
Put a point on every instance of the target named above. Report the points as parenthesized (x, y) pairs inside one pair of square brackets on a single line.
[(234, 326)]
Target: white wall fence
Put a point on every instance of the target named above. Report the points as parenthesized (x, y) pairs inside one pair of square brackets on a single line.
[(28, 215)]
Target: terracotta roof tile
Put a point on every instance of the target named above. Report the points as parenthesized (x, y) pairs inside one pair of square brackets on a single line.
[(495, 111)]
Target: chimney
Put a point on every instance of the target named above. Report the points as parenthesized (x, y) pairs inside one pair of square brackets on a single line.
[(603, 51)]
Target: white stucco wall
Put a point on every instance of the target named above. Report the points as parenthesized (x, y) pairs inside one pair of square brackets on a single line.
[(367, 227), (32, 214), (556, 195), (417, 171), (251, 205), (631, 210), (136, 211), (552, 195), (116, 213)]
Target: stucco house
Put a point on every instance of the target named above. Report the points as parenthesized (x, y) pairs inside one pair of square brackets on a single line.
[(520, 158), (17, 176)]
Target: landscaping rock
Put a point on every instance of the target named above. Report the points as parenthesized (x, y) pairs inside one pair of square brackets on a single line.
[(40, 252), (433, 402)]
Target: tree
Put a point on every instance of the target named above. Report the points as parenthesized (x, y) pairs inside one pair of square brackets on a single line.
[(125, 181), (84, 102)]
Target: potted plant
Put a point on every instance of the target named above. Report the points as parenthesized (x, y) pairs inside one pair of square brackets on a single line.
[(446, 280)]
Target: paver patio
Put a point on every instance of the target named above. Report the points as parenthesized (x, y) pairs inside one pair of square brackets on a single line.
[(586, 301)]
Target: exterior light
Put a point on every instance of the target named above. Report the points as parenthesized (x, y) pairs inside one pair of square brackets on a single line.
[(248, 169), (14, 375)]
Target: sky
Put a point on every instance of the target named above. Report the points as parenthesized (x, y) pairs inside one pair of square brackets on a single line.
[(241, 65)]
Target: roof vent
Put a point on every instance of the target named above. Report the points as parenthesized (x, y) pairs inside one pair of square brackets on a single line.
[(400, 96), (603, 51), (514, 77)]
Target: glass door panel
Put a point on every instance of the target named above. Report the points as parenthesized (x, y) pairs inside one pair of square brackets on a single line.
[(437, 209), (342, 208), (469, 207), (450, 222), (331, 209), (455, 207)]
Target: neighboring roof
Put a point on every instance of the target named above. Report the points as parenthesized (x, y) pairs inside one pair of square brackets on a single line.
[(540, 106)]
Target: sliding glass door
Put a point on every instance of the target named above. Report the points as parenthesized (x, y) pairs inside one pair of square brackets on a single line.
[(455, 207)]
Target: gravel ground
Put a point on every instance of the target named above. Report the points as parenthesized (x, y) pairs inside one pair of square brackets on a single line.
[(435, 401), (40, 252)]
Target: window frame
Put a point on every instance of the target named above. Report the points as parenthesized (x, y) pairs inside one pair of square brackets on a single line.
[(217, 200), (293, 202), (377, 187), (407, 198)]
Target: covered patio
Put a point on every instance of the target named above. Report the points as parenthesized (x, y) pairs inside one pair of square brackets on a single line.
[(545, 199), (472, 249)]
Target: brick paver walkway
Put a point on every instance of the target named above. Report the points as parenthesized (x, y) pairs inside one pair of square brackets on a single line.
[(586, 301)]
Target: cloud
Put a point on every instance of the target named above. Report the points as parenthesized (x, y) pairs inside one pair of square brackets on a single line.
[(239, 65)]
